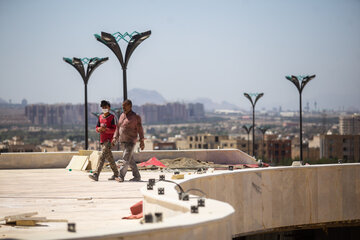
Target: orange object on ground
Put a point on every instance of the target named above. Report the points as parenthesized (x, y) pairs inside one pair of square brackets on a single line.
[(152, 162), (136, 211)]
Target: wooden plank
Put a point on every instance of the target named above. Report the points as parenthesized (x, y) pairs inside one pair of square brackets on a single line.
[(54, 220), (77, 162), (18, 216), (177, 176), (85, 152), (85, 166), (94, 158), (13, 220), (26, 223)]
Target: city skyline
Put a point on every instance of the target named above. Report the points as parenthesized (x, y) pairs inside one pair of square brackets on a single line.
[(196, 50)]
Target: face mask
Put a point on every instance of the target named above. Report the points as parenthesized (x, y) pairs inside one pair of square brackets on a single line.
[(105, 110)]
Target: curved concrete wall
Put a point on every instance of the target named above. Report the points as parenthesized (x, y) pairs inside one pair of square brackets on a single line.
[(61, 159), (211, 223), (270, 198)]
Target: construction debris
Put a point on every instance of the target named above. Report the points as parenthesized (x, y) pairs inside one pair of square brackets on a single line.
[(177, 176), (188, 163), (78, 163), (28, 219)]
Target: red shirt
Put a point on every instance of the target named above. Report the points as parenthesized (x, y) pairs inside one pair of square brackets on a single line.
[(109, 123), (128, 128)]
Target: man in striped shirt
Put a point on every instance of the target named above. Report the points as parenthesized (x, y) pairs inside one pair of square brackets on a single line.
[(127, 131)]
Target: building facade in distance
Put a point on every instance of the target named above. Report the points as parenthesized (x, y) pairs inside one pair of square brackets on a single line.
[(345, 147), (349, 124), (205, 141), (170, 112), (60, 114)]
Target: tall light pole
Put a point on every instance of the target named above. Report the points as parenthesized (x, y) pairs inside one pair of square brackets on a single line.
[(97, 115), (300, 82), (111, 41), (92, 64), (263, 130), (250, 96), (117, 112), (248, 128)]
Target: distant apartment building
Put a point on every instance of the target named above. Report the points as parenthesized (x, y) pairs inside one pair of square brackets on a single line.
[(60, 114), (157, 144), (195, 111), (160, 145), (349, 124), (180, 142), (271, 149), (205, 141), (345, 147), (275, 149), (170, 112), (238, 143)]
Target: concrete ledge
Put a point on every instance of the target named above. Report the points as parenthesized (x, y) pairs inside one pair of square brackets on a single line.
[(35, 160), (61, 159), (285, 197)]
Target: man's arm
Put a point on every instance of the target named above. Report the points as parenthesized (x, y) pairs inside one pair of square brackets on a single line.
[(140, 128), (117, 133), (98, 126), (141, 133)]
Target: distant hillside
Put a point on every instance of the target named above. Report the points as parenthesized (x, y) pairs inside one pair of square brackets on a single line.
[(2, 101), (141, 96), (211, 106)]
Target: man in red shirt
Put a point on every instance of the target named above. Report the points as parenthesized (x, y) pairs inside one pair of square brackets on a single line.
[(106, 127), (127, 131)]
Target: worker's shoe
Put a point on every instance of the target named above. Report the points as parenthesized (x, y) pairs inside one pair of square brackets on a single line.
[(94, 176), (113, 177), (119, 179), (135, 180)]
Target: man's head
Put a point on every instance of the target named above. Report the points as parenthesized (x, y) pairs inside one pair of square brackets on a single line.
[(105, 105), (127, 105)]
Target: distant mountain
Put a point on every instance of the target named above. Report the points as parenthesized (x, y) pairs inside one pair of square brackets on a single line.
[(141, 96), (2, 101), (210, 106)]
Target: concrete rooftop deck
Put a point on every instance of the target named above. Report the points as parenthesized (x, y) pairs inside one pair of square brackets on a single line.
[(55, 194)]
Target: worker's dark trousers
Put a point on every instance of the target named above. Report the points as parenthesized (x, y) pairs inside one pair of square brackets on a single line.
[(128, 148)]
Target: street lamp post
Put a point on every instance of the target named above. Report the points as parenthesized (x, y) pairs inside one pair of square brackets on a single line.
[(248, 128), (253, 103), (300, 82), (97, 115), (92, 64), (117, 112), (263, 130), (111, 41)]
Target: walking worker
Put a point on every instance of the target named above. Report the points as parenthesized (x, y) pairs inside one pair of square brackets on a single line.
[(106, 127), (127, 131)]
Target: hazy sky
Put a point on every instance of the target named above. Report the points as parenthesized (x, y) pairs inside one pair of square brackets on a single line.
[(215, 49)]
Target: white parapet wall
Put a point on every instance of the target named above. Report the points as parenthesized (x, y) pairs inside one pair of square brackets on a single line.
[(35, 160), (62, 159), (273, 198)]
